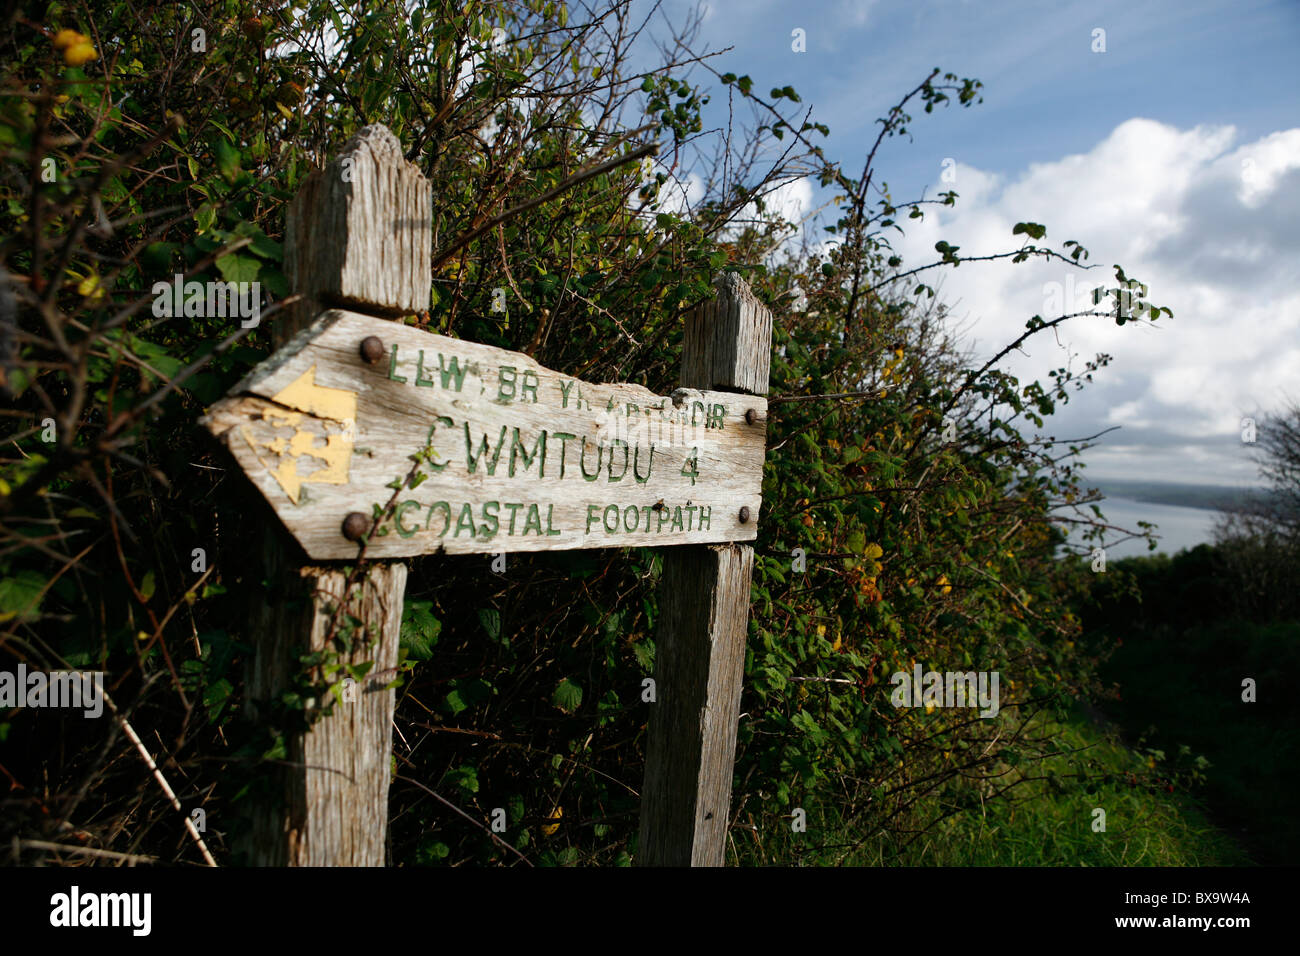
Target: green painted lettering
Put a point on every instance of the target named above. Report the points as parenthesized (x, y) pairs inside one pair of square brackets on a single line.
[(446, 516), (466, 520), (472, 460), (591, 516), (490, 522), (419, 372), (456, 373), (564, 438), (514, 510), (549, 530), (610, 529), (505, 397), (401, 510), (612, 445), (530, 383), (392, 368), (691, 467), (539, 448), (582, 460), (534, 519), (428, 442), (636, 467)]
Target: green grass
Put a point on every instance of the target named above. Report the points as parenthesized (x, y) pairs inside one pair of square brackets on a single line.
[(1046, 825), (1186, 691)]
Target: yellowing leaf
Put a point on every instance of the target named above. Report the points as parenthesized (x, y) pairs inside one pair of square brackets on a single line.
[(556, 814), (79, 53), (66, 38)]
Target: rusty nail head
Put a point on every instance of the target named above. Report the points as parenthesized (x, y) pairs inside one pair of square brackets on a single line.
[(744, 515), (751, 416), (372, 349), (355, 526)]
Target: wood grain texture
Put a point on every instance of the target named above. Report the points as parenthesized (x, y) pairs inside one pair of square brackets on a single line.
[(527, 459), (330, 802), (359, 234), (704, 615), (727, 343), (699, 665)]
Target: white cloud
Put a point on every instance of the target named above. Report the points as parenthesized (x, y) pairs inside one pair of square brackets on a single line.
[(1209, 228)]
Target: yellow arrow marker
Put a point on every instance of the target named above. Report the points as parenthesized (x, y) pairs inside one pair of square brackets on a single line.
[(319, 401), (305, 395)]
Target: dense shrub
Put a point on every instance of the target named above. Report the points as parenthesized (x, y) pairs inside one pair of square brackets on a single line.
[(921, 509)]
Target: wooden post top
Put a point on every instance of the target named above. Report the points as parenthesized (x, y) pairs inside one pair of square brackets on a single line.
[(360, 234), (728, 340)]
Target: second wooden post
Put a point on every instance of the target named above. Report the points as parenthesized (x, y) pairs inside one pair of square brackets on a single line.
[(704, 616)]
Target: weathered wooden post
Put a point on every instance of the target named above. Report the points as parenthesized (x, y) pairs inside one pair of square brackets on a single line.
[(358, 234), (704, 614), (481, 450)]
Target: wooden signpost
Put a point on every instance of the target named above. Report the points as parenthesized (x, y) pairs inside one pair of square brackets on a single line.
[(521, 458), (482, 450)]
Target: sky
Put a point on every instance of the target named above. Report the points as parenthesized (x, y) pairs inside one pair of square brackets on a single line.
[(1174, 152)]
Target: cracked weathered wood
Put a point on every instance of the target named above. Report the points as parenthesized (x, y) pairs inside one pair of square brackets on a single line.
[(358, 233), (704, 614), (527, 459), (332, 804)]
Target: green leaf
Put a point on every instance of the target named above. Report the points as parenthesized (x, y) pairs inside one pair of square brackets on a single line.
[(156, 258), (420, 629), (215, 697), (275, 282), (19, 594), (227, 160), (205, 216), (567, 696), (490, 618), (645, 655), (237, 268), (464, 778)]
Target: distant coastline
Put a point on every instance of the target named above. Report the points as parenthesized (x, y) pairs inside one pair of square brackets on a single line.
[(1203, 497)]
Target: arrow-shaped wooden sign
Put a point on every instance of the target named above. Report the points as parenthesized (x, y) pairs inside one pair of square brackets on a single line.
[(482, 450)]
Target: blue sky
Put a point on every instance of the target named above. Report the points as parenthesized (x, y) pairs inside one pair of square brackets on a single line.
[(1175, 152)]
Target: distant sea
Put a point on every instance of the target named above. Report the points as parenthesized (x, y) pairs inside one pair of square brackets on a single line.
[(1178, 527)]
